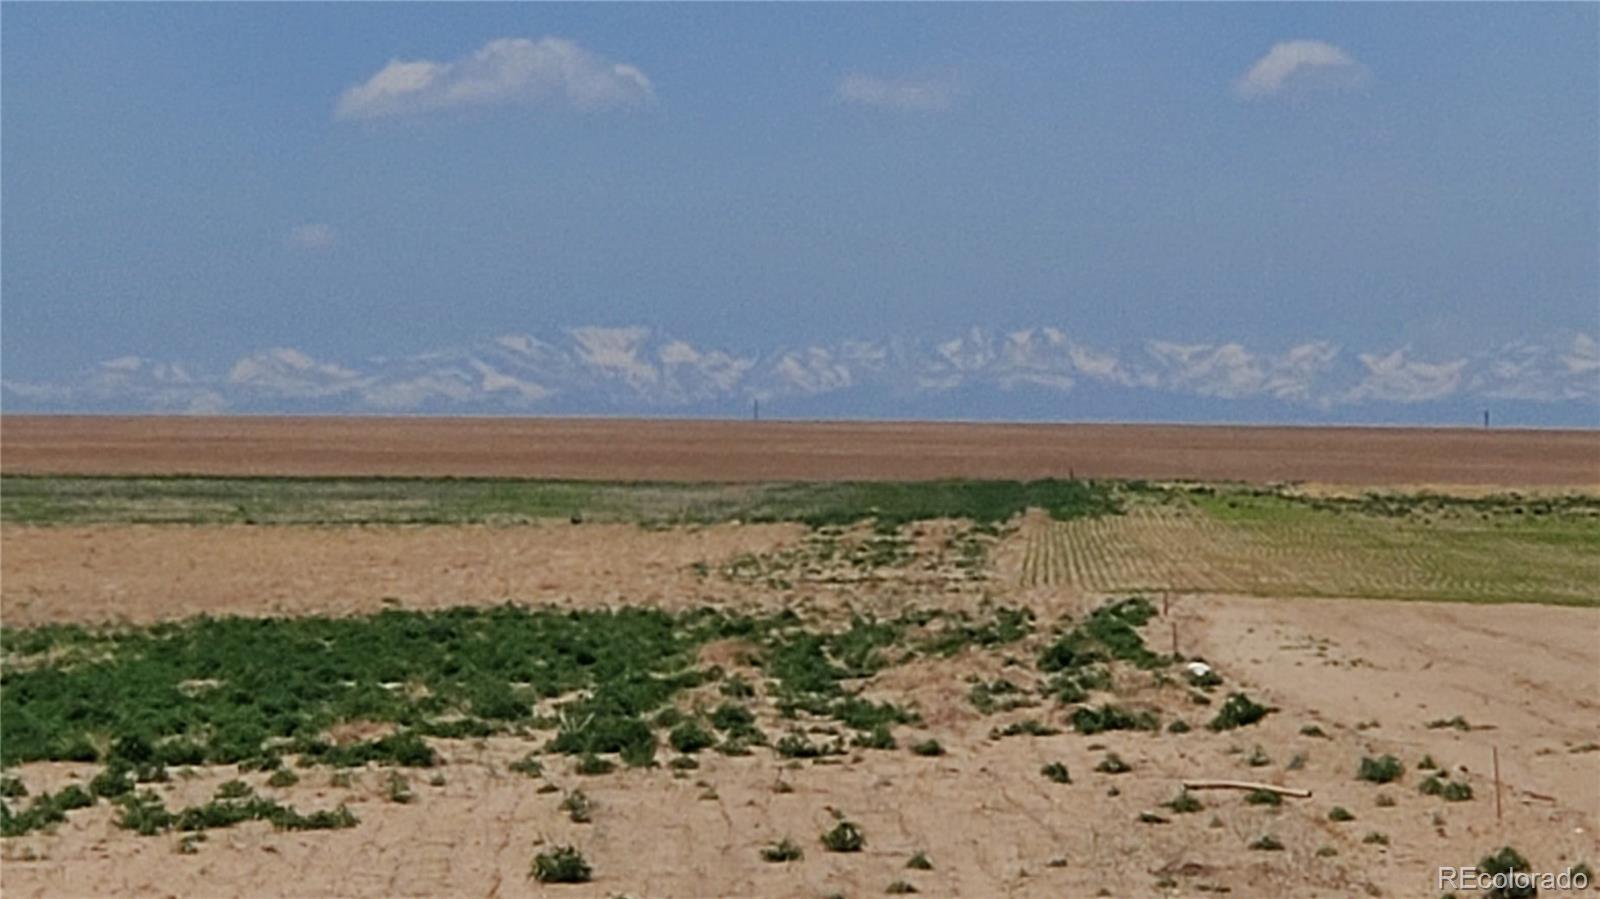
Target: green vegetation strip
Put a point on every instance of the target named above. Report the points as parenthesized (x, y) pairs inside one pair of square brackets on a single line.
[(197, 500), (252, 691)]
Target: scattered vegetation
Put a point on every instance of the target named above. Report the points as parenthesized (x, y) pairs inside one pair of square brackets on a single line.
[(1449, 790), (1266, 844), (1263, 797), (385, 500), (1090, 720), (1504, 862), (919, 862), (1238, 711), (1184, 803), (564, 864), (1381, 770), (782, 851), (1056, 772), (1340, 814), (578, 806), (929, 747), (1113, 764), (844, 837)]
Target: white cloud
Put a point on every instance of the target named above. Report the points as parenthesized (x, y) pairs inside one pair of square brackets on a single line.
[(503, 71), (906, 94), (1300, 64), (312, 236)]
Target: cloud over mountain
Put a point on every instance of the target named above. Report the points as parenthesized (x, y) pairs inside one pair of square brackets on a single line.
[(976, 374)]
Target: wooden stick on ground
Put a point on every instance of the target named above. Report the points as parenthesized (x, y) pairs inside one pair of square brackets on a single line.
[(1245, 785)]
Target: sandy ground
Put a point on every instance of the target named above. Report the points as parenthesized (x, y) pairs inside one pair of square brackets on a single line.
[(1371, 674), (614, 449), (988, 821), (143, 573)]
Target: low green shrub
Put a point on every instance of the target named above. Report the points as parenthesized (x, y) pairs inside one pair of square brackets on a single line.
[(564, 864), (844, 837)]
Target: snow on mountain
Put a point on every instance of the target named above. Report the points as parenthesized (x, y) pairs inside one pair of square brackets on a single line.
[(640, 370)]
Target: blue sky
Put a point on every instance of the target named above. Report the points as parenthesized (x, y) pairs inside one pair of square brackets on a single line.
[(194, 186)]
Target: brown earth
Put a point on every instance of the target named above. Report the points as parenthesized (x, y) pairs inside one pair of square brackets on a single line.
[(617, 449), (1371, 674), (144, 573), (990, 824)]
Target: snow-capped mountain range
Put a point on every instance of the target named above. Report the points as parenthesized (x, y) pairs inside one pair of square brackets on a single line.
[(1025, 374)]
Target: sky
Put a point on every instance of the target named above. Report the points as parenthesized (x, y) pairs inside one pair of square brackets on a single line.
[(1302, 212)]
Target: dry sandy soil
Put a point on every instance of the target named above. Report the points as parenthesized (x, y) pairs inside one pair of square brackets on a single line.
[(1526, 677), (1369, 673), (613, 449), (988, 821)]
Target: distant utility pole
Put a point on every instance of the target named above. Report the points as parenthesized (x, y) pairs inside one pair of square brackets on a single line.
[(755, 410), (1486, 418)]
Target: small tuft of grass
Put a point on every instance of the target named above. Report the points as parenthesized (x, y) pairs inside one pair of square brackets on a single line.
[(844, 837), (578, 806), (690, 737), (1113, 764), (1263, 797), (1184, 803), (1374, 838), (1056, 771), (1456, 723), (283, 778), (591, 765), (398, 788), (1381, 770), (877, 738), (1238, 711), (564, 864), (529, 765), (1266, 844), (1506, 861), (1090, 720), (929, 747), (1312, 730), (901, 888), (1341, 814), (919, 862), (782, 851)]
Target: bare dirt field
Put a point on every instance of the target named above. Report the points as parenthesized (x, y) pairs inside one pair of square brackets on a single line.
[(986, 819), (1260, 588), (615, 449), (1370, 675)]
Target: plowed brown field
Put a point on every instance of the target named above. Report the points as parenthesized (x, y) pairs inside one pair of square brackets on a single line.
[(616, 449)]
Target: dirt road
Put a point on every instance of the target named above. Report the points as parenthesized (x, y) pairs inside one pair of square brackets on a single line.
[(617, 449)]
